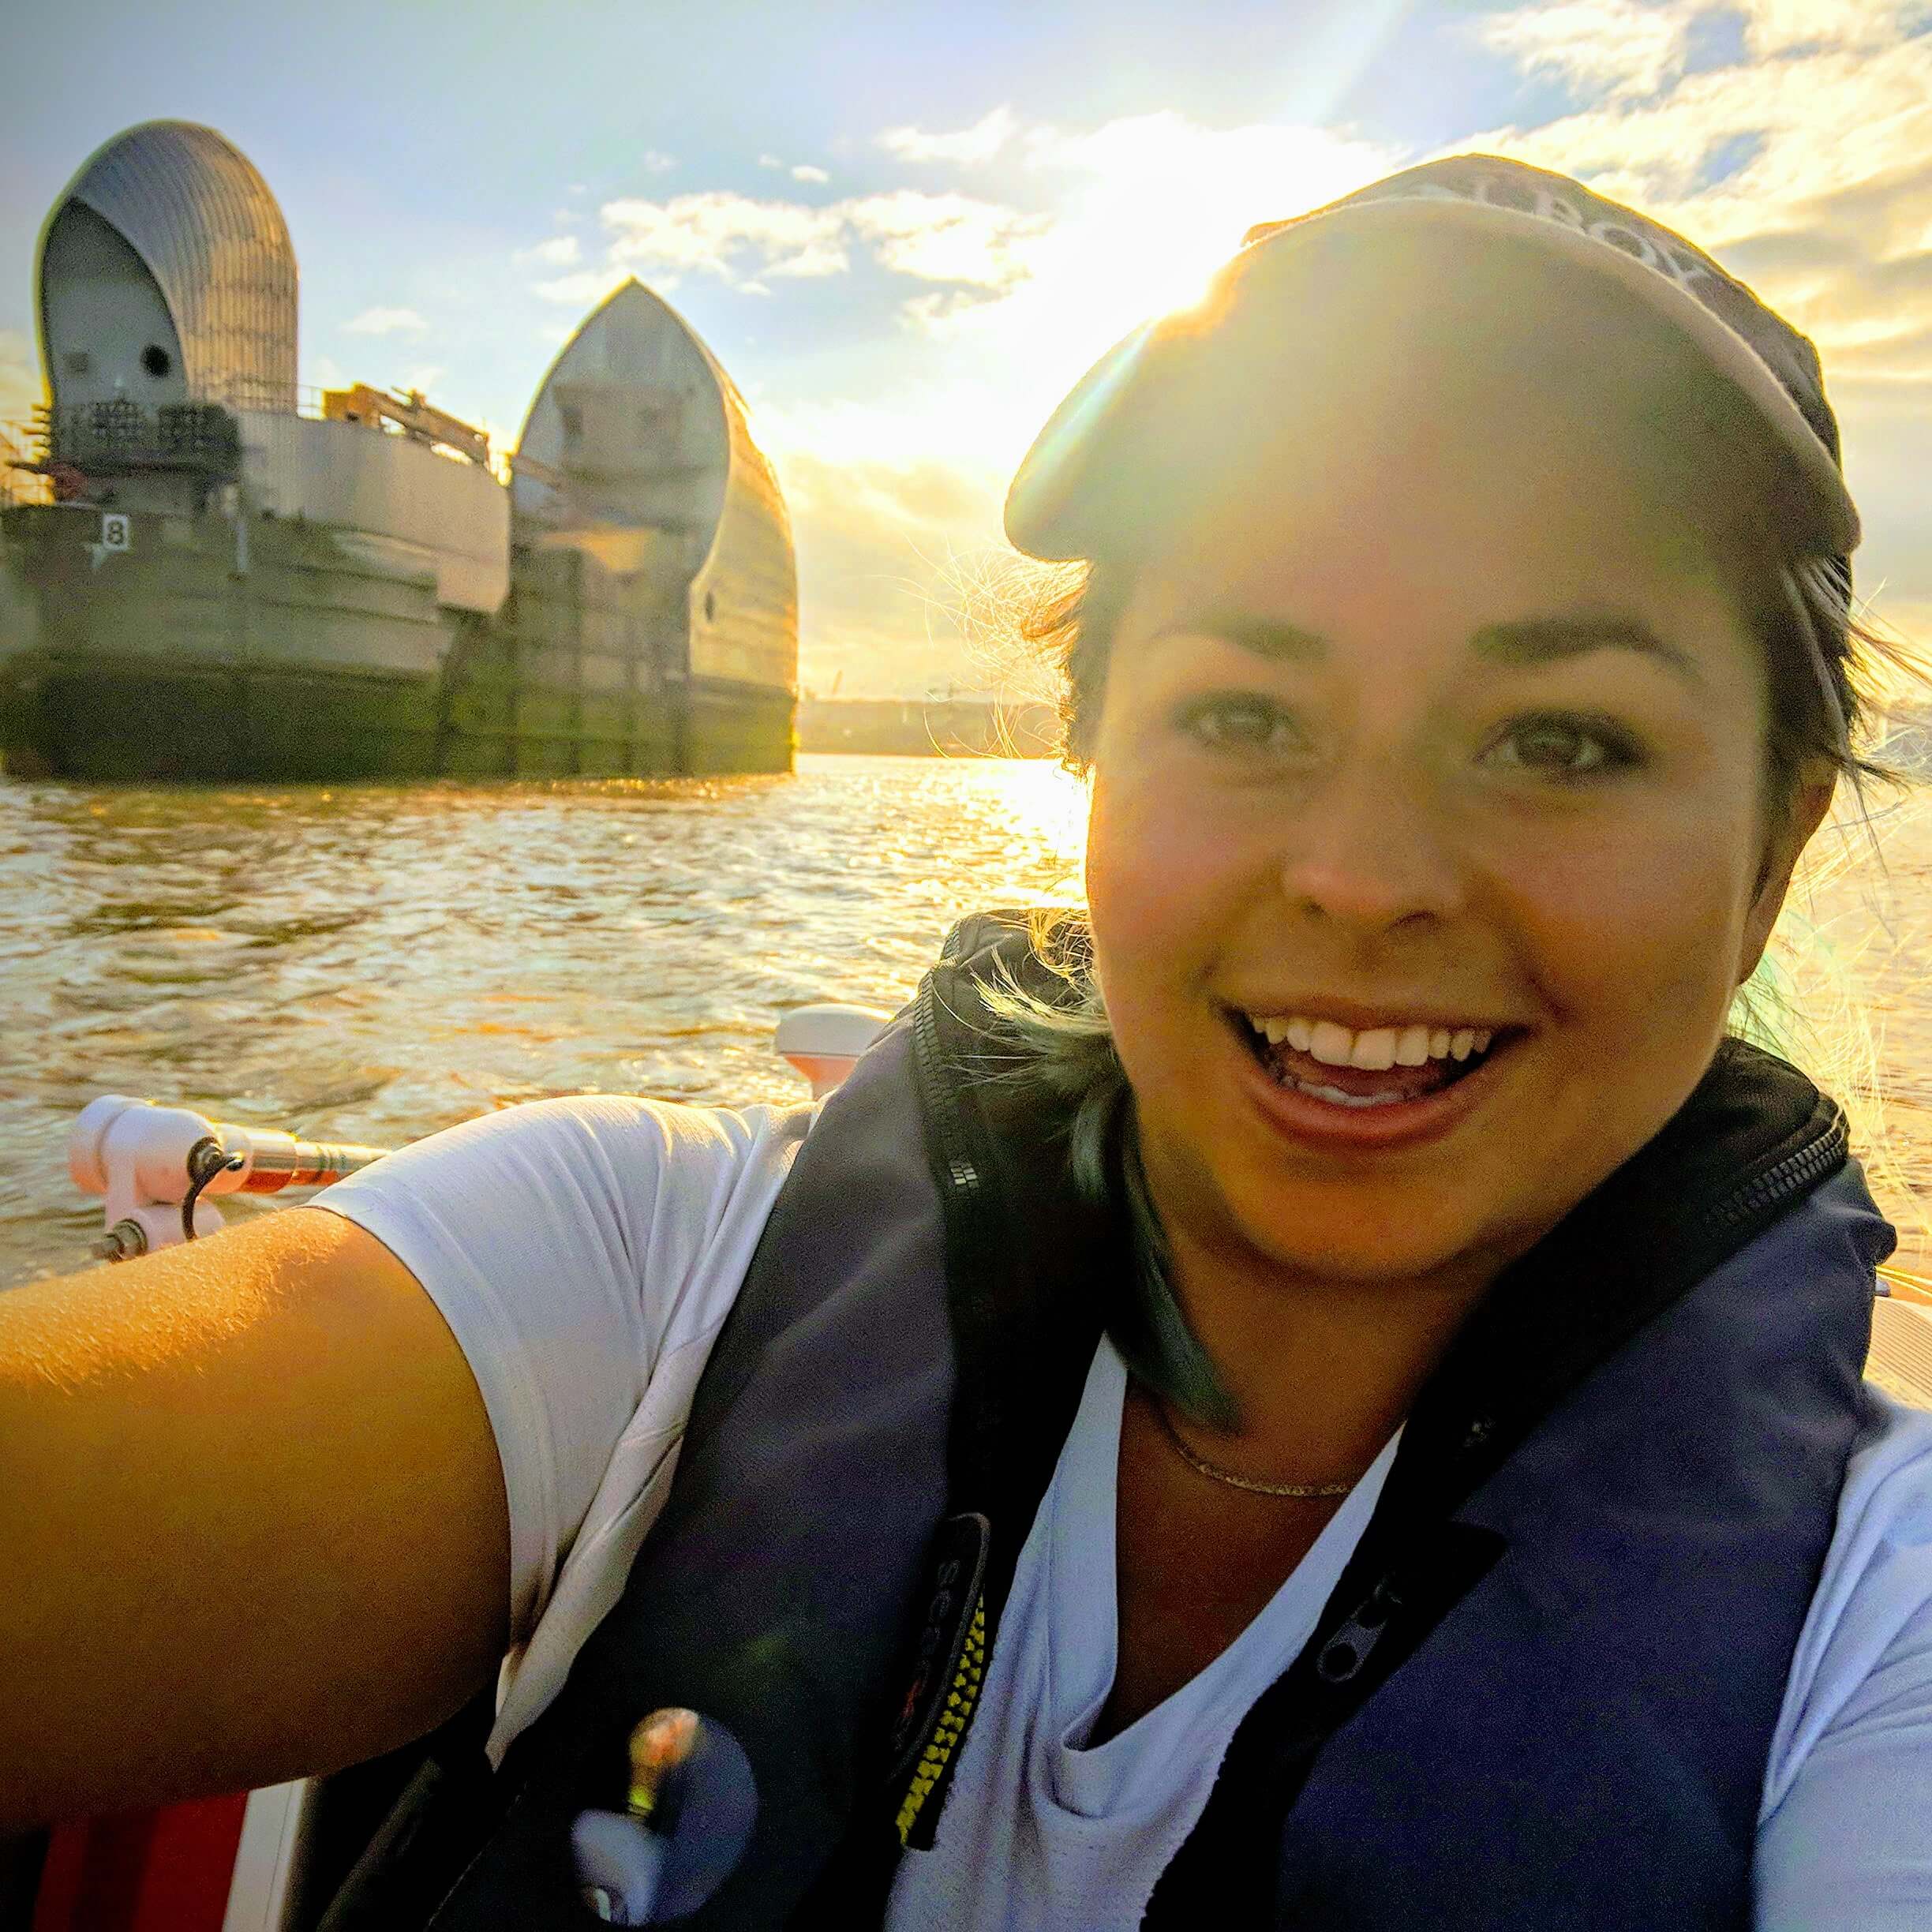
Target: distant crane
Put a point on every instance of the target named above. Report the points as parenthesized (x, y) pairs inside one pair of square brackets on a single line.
[(411, 415)]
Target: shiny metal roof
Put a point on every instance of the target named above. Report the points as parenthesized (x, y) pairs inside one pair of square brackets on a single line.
[(192, 205)]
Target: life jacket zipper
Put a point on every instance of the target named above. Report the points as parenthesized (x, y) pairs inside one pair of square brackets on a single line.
[(958, 1170), (1793, 1174)]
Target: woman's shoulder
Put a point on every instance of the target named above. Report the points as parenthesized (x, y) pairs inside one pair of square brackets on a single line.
[(637, 1211), (1842, 1840), (621, 1146), (1867, 1640), (1877, 1572), (632, 1200), (1884, 1508)]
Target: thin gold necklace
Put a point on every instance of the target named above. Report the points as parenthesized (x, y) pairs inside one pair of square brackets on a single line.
[(1195, 1460)]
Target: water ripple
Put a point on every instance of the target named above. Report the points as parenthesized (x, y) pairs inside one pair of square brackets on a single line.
[(373, 963)]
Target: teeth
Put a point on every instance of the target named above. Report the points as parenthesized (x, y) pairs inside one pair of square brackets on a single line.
[(1375, 1048), (1331, 1044)]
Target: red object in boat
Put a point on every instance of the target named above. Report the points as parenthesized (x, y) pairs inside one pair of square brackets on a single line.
[(142, 1871)]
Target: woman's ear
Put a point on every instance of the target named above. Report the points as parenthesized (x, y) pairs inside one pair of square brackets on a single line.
[(1789, 836)]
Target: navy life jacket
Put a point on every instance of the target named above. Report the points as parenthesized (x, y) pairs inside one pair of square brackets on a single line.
[(1541, 1694)]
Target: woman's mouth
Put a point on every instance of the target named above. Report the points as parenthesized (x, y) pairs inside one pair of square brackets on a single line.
[(1372, 1067)]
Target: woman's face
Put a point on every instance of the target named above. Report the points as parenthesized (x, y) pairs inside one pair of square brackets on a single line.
[(1441, 737)]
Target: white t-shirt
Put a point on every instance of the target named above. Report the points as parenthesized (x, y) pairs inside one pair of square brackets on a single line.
[(584, 1252), (1041, 1829)]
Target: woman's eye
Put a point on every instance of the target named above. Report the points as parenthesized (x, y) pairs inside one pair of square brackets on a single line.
[(1242, 724), (1562, 748)]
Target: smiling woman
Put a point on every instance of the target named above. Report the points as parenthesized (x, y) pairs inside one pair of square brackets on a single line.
[(1323, 1392), (1484, 751)]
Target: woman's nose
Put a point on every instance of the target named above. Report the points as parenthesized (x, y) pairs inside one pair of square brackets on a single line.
[(1368, 849)]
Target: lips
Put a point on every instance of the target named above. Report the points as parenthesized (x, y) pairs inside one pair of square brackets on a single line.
[(1351, 1112), (1341, 1080)]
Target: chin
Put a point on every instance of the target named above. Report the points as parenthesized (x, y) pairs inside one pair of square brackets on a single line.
[(1372, 1262), (1370, 1234)]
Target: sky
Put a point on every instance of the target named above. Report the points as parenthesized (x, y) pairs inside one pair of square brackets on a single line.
[(906, 230)]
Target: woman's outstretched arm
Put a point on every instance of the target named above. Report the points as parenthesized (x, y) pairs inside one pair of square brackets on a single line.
[(253, 1520)]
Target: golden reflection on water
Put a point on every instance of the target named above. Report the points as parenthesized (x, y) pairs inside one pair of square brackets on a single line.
[(371, 963)]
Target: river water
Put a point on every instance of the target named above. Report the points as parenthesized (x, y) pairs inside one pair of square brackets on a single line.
[(371, 963)]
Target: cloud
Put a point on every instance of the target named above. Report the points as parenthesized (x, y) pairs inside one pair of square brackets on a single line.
[(1825, 115), (803, 171), (655, 162), (933, 313), (1783, 26), (946, 237), (721, 233), (1614, 48), (425, 378), (1620, 50), (562, 251), (980, 142), (585, 289), (1286, 167), (1130, 238), (1148, 206), (1805, 163), (386, 322), (1822, 204)]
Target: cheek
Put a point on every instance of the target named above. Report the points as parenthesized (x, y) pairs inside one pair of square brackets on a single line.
[(1163, 877), (1156, 903), (1137, 868), (1638, 939)]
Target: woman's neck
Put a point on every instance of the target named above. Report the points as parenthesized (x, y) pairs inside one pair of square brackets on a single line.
[(1322, 1372)]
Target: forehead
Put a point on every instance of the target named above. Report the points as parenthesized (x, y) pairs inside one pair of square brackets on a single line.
[(1357, 402), (1490, 475), (1444, 526)]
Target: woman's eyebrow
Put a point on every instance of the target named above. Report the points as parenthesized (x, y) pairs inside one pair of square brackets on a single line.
[(1266, 637), (1549, 640)]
